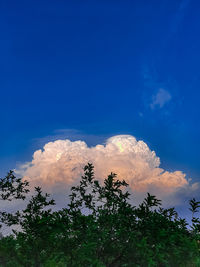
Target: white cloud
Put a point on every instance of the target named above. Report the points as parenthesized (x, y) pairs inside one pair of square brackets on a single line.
[(160, 98), (60, 165)]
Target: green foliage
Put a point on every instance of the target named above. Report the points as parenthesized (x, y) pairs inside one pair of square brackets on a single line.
[(99, 228), (12, 187), (194, 205)]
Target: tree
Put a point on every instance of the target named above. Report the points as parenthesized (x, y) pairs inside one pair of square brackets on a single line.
[(120, 234), (99, 227)]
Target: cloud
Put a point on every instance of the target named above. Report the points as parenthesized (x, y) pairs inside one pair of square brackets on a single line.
[(71, 134), (60, 165), (160, 99), (179, 16)]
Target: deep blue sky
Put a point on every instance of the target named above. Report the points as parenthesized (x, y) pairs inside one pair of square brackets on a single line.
[(96, 67)]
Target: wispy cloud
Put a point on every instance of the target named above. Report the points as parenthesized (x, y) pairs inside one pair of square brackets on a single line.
[(160, 98), (179, 16), (71, 134)]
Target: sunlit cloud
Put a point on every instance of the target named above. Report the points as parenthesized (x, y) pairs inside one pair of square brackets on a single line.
[(60, 165)]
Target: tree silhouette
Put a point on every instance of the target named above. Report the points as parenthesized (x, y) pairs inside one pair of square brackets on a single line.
[(99, 227)]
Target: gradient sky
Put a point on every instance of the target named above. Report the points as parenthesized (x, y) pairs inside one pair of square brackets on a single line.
[(93, 69)]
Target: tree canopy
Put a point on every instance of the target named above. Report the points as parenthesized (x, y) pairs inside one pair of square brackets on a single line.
[(99, 227)]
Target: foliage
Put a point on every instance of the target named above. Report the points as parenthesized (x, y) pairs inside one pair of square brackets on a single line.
[(99, 227)]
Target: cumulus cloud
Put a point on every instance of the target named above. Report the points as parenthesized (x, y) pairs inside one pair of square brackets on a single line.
[(160, 98), (60, 165)]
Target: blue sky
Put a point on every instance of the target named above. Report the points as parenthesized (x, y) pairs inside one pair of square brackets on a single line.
[(95, 69)]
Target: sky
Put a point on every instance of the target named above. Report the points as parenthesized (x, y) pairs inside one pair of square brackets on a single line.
[(89, 71)]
